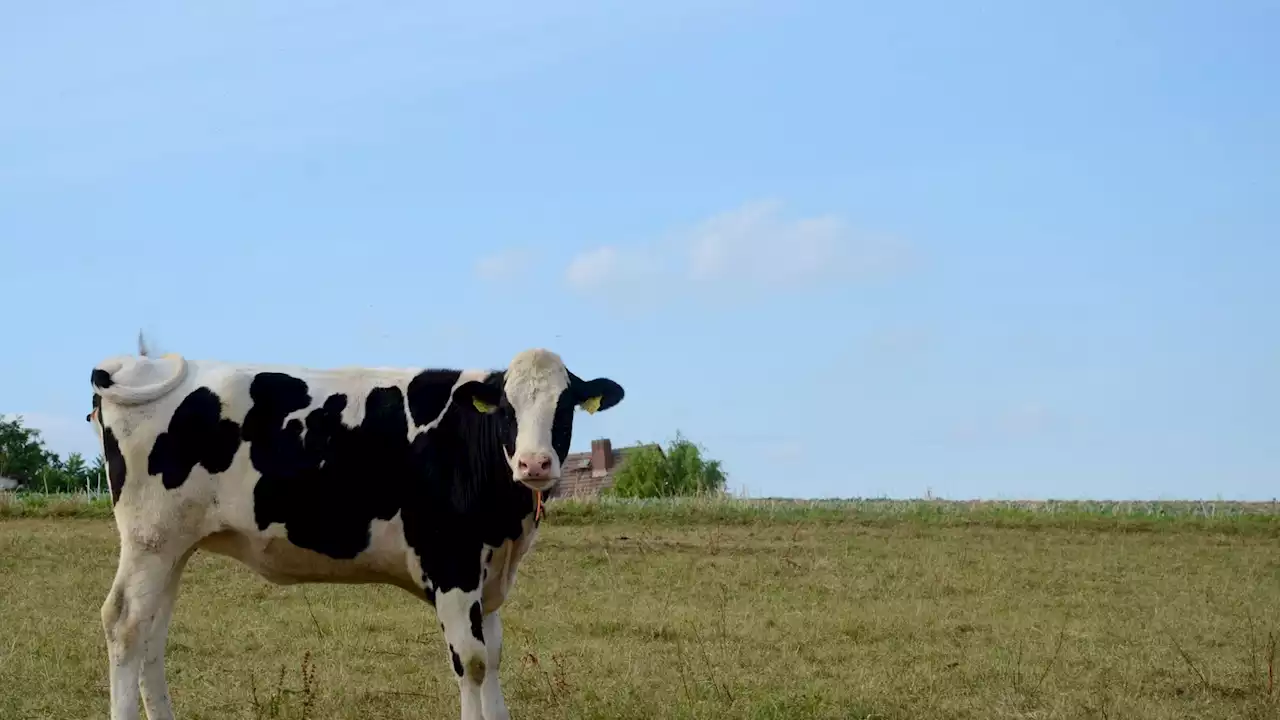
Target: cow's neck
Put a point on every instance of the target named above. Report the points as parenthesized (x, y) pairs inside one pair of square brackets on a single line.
[(466, 455)]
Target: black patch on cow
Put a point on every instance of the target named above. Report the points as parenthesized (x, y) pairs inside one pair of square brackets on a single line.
[(328, 488), (477, 622), (562, 426), (457, 661), (431, 598), (462, 497), (197, 435), (96, 405), (115, 464), (100, 378), (609, 392), (508, 424), (488, 556), (429, 393)]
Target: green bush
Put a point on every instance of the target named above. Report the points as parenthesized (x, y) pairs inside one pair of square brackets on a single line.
[(681, 471)]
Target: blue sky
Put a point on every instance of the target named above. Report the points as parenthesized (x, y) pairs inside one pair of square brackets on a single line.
[(1024, 251)]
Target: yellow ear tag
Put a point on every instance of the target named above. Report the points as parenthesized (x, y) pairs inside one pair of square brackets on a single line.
[(591, 404), (483, 406)]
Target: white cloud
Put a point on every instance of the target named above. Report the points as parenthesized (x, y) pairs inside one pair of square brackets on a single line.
[(753, 244), (629, 278), (593, 268), (753, 247), (503, 265)]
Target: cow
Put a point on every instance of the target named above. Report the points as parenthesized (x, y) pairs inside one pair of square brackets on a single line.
[(430, 480)]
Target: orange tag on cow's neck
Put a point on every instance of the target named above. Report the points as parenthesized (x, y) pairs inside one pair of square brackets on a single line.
[(537, 505)]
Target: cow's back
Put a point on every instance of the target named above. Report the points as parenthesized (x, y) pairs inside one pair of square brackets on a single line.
[(297, 472)]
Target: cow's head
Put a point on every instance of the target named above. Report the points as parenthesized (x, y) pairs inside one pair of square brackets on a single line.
[(534, 404)]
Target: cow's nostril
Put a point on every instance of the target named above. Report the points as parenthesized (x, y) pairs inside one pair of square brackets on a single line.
[(524, 465), (545, 464)]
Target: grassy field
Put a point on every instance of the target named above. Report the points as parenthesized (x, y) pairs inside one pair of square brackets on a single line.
[(765, 610)]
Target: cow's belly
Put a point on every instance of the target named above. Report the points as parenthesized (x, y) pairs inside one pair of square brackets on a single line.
[(272, 556)]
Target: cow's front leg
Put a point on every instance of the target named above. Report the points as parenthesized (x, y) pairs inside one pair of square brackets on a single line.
[(475, 646), (491, 700)]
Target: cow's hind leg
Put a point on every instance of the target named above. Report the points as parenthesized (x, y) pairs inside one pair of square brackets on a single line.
[(154, 685), (136, 600), (474, 647)]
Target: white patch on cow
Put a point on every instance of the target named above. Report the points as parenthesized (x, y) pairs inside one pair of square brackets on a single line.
[(535, 379)]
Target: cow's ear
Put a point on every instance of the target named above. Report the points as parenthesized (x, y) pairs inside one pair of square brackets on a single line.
[(481, 396), (596, 395)]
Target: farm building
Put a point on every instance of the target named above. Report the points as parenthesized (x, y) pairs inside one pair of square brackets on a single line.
[(9, 483), (586, 474)]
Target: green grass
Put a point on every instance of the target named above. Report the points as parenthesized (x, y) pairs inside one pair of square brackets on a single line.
[(710, 609), (1257, 518), (60, 505)]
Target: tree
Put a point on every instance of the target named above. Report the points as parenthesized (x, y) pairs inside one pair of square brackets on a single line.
[(22, 452), (681, 471), (24, 457), (75, 474), (98, 473)]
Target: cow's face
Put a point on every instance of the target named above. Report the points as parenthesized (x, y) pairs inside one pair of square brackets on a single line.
[(536, 401)]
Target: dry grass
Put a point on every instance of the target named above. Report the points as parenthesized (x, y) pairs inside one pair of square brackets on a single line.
[(655, 614)]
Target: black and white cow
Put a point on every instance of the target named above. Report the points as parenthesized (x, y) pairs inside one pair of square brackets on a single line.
[(429, 480)]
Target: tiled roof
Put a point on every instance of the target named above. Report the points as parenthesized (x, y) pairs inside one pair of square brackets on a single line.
[(576, 477)]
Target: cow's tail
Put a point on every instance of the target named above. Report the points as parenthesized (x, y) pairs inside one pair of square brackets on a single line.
[(138, 379)]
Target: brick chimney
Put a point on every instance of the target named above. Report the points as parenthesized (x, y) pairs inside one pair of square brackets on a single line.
[(601, 457)]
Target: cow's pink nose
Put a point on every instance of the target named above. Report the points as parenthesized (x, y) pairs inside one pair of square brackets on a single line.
[(534, 465)]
